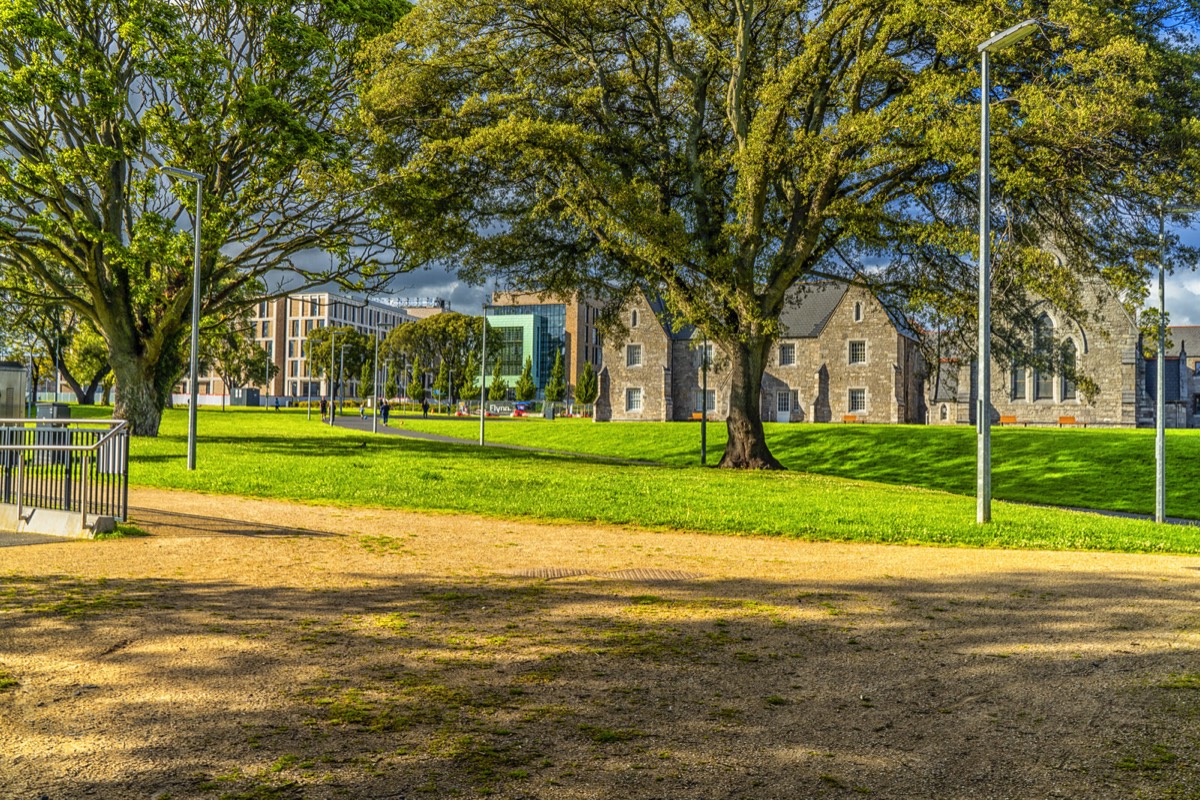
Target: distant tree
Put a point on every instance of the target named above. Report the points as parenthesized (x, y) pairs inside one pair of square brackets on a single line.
[(231, 352), (441, 383), (588, 387), (60, 332), (556, 387), (497, 386), (389, 386), (468, 382), (447, 338), (366, 381), (353, 350), (526, 389), (86, 360), (416, 382)]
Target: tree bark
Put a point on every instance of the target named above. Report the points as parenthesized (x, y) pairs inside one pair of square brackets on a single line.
[(143, 389), (746, 447)]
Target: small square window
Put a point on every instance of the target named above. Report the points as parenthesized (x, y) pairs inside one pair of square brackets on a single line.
[(787, 355), (633, 355), (858, 352), (633, 399), (858, 400)]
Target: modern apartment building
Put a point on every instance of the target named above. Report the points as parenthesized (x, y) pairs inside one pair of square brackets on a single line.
[(542, 326), (282, 326)]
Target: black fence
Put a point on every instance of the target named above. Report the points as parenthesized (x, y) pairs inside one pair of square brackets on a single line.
[(65, 465)]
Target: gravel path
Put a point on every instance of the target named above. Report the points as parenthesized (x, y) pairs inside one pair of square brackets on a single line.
[(267, 650)]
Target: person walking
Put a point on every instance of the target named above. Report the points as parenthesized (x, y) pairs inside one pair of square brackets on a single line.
[(425, 409), (384, 408), (324, 409), (276, 403)]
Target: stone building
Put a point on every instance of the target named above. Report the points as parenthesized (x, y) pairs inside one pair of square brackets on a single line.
[(841, 356), (1105, 346)]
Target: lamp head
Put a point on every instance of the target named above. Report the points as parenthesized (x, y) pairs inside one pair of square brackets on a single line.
[(184, 173), (1007, 38)]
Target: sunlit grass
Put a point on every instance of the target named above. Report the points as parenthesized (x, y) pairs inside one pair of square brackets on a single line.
[(283, 455)]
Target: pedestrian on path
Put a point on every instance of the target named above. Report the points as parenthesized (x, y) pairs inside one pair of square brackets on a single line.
[(324, 408), (425, 409), (384, 408)]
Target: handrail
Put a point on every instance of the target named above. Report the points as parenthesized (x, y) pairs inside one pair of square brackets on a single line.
[(52, 472), (115, 426)]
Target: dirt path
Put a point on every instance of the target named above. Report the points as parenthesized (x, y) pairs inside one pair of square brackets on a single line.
[(254, 649)]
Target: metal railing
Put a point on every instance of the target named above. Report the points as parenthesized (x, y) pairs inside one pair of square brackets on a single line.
[(65, 465)]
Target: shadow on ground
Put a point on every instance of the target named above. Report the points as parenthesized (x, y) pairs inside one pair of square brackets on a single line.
[(1009, 685)]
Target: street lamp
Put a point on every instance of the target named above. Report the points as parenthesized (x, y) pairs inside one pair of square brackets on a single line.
[(375, 387), (332, 350), (704, 403), (193, 394), (1160, 423), (983, 417), (341, 384), (483, 375)]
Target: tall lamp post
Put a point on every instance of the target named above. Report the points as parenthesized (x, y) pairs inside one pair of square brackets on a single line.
[(1160, 421), (194, 373), (375, 388), (341, 384), (332, 369), (983, 417), (704, 403), (483, 376)]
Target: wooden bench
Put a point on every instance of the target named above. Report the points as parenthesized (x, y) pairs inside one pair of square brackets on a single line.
[(696, 415), (852, 418), (1008, 419), (1064, 421)]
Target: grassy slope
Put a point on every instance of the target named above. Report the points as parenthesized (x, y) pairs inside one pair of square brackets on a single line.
[(282, 455), (1097, 468)]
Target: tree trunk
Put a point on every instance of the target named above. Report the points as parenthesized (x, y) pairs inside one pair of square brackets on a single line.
[(746, 447), (84, 397), (142, 392)]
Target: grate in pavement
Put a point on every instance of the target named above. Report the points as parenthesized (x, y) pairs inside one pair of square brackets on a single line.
[(652, 575), (549, 573)]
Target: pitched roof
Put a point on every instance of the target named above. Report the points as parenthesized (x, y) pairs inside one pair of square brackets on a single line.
[(1186, 335), (809, 306), (668, 320)]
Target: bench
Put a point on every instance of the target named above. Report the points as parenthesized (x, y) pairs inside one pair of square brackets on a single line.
[(852, 418), (1008, 419), (696, 415), (1064, 421)]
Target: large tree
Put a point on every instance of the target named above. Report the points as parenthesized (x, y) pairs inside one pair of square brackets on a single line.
[(449, 338), (258, 96), (353, 351), (720, 153)]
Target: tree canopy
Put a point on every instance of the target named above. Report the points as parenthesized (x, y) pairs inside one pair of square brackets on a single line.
[(717, 154), (258, 96)]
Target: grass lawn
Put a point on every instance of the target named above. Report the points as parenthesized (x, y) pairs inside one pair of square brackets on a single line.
[(283, 455), (1095, 468)]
